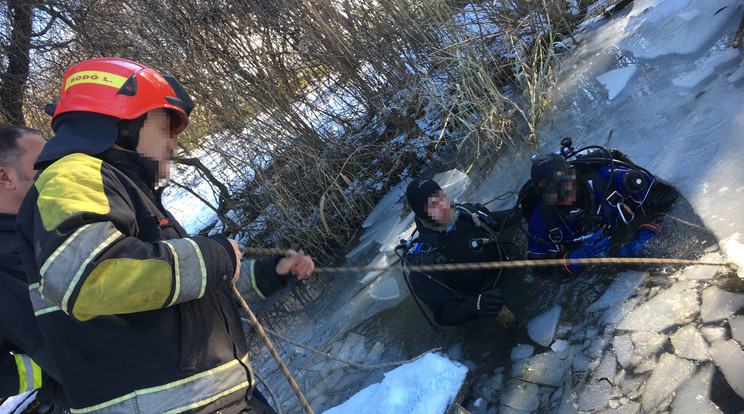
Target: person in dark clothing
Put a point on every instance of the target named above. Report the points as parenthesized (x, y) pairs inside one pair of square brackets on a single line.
[(453, 233), (583, 205), (25, 362), (138, 315)]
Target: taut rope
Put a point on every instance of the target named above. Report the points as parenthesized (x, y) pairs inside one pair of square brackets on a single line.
[(512, 264)]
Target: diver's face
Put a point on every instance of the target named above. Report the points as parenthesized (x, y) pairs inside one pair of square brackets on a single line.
[(561, 191), (438, 207)]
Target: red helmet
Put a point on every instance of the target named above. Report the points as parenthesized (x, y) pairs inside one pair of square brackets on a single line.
[(122, 89)]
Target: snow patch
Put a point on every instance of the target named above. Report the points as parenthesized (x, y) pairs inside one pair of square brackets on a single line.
[(427, 385), (616, 79)]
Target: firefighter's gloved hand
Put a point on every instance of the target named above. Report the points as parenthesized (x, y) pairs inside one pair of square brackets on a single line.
[(637, 246), (594, 247), (489, 302)]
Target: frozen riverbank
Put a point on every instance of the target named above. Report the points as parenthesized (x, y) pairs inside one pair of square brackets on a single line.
[(662, 83)]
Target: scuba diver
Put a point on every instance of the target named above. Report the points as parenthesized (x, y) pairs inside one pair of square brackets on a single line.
[(453, 233), (578, 201)]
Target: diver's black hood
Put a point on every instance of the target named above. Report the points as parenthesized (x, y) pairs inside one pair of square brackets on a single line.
[(418, 193), (545, 167)]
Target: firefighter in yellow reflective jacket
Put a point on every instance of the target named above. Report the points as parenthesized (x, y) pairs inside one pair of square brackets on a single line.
[(138, 315)]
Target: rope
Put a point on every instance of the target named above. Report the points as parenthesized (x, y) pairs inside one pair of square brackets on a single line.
[(512, 264), (262, 333), (335, 358), (272, 350)]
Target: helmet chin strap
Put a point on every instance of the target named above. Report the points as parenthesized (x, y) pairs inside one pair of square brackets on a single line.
[(128, 132)]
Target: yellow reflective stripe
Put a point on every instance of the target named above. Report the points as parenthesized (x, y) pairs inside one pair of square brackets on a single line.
[(254, 285), (37, 375), (29, 374), (190, 270), (94, 76), (67, 264), (71, 185), (170, 398), (21, 368), (123, 285)]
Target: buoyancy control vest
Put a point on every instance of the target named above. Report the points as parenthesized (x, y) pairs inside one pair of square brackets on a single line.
[(613, 189), (472, 237), (475, 240)]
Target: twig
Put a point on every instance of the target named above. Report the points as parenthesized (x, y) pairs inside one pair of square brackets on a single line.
[(739, 32)]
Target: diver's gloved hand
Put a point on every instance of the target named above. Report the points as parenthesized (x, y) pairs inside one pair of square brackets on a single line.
[(593, 247), (642, 241), (488, 303)]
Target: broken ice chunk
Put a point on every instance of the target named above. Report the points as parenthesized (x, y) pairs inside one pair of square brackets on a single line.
[(693, 396), (381, 260), (689, 343), (624, 349), (621, 289), (647, 343), (701, 272), (542, 327), (719, 304), (607, 368), (737, 328), (559, 345), (521, 396), (669, 307), (385, 289), (730, 360), (713, 334), (521, 351), (631, 407), (668, 374), (616, 79), (596, 392), (549, 368), (735, 252)]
